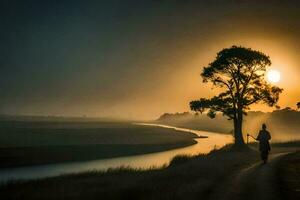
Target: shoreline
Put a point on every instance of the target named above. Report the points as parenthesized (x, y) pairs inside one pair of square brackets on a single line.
[(43, 155)]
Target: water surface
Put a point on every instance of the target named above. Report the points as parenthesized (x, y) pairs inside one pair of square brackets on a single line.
[(144, 161)]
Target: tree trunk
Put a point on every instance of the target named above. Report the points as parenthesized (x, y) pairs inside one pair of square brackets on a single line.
[(238, 129)]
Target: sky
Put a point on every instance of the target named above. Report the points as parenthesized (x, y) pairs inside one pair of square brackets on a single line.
[(134, 59)]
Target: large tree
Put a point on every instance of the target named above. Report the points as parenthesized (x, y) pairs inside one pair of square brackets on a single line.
[(240, 72)]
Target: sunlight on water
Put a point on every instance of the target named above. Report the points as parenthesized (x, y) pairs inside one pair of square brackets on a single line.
[(204, 145)]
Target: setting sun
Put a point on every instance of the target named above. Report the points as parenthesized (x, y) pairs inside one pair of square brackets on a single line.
[(273, 76)]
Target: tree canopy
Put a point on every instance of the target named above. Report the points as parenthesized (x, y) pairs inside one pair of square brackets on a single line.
[(240, 72)]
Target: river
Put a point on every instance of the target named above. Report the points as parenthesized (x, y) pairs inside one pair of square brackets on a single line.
[(144, 161)]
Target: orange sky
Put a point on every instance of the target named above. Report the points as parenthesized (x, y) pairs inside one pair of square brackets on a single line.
[(135, 61)]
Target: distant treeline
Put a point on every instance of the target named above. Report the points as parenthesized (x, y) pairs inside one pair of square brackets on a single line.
[(284, 124)]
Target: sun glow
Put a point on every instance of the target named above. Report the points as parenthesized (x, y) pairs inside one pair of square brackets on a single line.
[(273, 76)]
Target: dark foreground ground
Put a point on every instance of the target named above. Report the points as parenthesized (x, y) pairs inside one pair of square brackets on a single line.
[(289, 176), (199, 177)]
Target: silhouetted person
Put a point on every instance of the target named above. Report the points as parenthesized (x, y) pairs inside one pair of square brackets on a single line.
[(264, 145)]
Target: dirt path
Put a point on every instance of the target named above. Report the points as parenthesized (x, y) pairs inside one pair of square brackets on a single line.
[(255, 182)]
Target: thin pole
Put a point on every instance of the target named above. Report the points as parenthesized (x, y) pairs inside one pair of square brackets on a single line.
[(247, 138), (248, 135)]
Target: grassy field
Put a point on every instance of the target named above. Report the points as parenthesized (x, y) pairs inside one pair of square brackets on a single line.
[(27, 143), (187, 177)]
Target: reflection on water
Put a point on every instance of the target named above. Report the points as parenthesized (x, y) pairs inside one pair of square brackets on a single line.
[(204, 145)]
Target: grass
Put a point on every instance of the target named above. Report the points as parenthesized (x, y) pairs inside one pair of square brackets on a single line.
[(279, 145), (180, 159), (291, 143), (188, 177)]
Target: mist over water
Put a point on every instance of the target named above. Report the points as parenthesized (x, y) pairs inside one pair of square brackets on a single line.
[(284, 124)]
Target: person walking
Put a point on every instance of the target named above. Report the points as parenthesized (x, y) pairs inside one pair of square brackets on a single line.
[(264, 146)]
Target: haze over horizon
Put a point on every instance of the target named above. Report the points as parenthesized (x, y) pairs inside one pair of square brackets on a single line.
[(134, 59)]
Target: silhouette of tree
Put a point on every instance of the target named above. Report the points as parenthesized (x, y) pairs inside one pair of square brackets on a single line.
[(240, 72), (298, 105)]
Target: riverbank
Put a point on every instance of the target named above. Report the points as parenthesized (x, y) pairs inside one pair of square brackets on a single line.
[(35, 143), (187, 177), (27, 156)]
